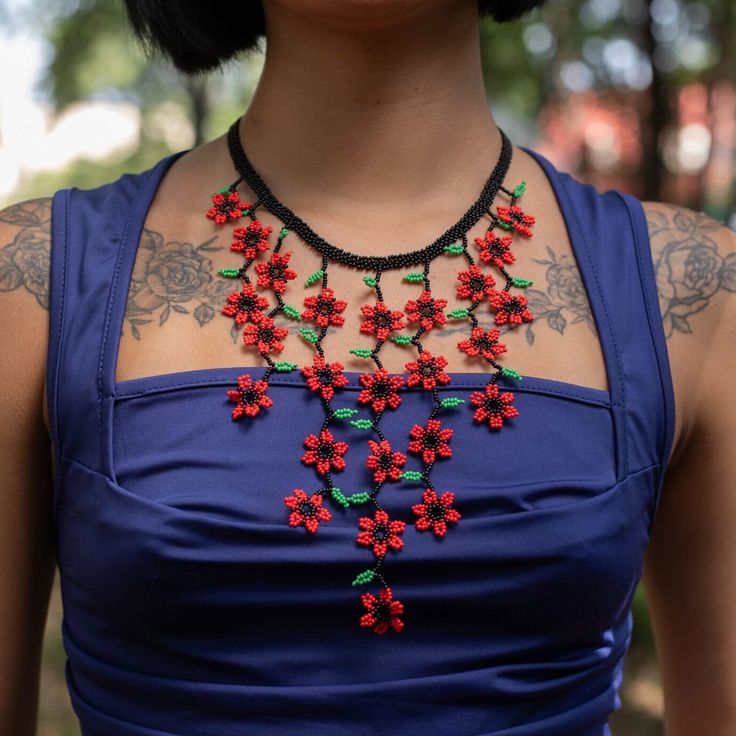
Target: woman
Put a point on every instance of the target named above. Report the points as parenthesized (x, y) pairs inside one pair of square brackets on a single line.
[(417, 497)]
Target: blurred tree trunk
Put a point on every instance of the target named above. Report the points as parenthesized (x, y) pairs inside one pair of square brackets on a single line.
[(656, 117), (197, 88), (718, 195)]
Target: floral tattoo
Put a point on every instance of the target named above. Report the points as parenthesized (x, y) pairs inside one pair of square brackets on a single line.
[(688, 266), (25, 262)]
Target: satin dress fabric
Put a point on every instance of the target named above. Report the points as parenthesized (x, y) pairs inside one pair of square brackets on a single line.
[(191, 608)]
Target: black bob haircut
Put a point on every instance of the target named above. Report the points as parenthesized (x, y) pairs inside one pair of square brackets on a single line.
[(199, 36)]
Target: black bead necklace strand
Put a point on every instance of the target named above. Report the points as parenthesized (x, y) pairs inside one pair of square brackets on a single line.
[(380, 390)]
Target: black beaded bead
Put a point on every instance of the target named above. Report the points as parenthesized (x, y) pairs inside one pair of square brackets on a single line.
[(372, 263)]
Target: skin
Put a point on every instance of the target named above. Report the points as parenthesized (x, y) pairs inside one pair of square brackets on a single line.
[(358, 76)]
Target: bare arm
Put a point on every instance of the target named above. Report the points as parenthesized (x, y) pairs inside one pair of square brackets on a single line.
[(27, 555), (690, 563)]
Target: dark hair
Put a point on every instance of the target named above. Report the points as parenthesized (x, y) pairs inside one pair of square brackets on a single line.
[(199, 37)]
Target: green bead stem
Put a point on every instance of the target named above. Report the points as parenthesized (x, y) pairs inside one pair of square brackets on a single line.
[(283, 366), (362, 423), (361, 352), (344, 413), (456, 249), (521, 282), (309, 335), (339, 496), (364, 577), (292, 312), (314, 277), (510, 373), (414, 277)]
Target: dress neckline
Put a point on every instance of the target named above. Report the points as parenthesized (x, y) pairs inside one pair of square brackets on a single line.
[(130, 240)]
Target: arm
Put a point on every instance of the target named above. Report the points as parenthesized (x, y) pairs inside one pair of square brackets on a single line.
[(690, 563), (27, 555)]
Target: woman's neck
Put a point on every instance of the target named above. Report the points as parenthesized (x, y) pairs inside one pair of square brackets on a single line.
[(372, 104)]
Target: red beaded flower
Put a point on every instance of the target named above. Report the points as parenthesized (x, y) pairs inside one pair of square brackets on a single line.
[(380, 532), (380, 389), (426, 310), (509, 308), (249, 397), (307, 510), (483, 343), (324, 377), (474, 284), (324, 308), (245, 305), (380, 321), (430, 441), (427, 370), (493, 406), (495, 250), (265, 335), (275, 272), (226, 206), (324, 452), (515, 217), (384, 462), (383, 611), (252, 239), (435, 512)]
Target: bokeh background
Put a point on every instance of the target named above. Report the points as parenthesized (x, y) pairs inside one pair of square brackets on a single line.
[(634, 94)]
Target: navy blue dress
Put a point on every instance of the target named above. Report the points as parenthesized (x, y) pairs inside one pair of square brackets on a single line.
[(192, 609)]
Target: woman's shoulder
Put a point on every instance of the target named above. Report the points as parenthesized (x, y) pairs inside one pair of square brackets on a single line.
[(694, 258), (25, 257)]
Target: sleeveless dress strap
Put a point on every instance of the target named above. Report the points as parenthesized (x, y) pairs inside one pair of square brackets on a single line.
[(91, 234), (610, 240)]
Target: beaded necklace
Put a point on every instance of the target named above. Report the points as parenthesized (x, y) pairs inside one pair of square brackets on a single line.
[(380, 390)]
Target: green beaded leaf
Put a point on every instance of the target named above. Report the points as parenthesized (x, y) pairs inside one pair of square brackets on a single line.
[(244, 212), (520, 189), (358, 498), (229, 272), (314, 277), (361, 352), (344, 413), (369, 281), (292, 312), (362, 423), (411, 475), (309, 335), (451, 401), (510, 373), (414, 276), (283, 366), (401, 339), (456, 248), (224, 190), (521, 282), (458, 313), (504, 225), (284, 232), (339, 496), (364, 577)]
